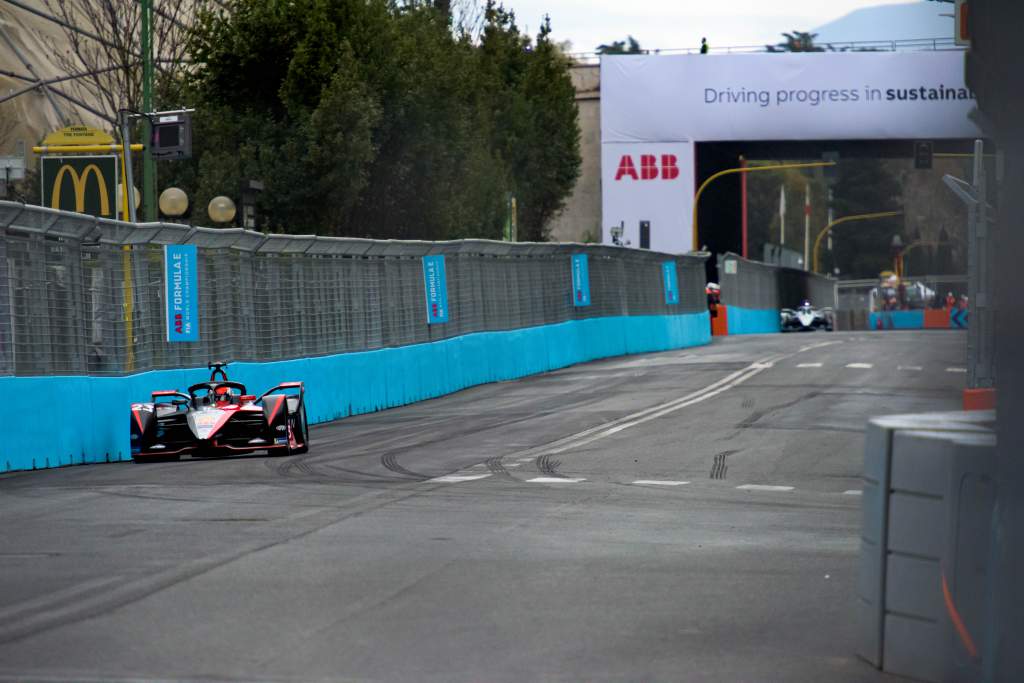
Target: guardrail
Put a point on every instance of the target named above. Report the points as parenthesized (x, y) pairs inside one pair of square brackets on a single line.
[(83, 319), (903, 45), (81, 295)]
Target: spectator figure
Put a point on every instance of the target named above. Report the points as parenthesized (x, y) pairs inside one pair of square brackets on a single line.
[(703, 46), (714, 293)]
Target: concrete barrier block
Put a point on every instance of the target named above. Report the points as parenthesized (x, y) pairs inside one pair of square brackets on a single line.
[(925, 482), (912, 648), (911, 583), (915, 524)]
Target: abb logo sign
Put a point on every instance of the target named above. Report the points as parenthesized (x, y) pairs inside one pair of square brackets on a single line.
[(649, 169)]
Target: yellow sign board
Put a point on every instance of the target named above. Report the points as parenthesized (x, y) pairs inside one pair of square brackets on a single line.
[(79, 194), (78, 135)]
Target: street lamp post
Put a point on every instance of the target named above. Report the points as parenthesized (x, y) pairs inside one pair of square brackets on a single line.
[(846, 219), (743, 169), (148, 164)]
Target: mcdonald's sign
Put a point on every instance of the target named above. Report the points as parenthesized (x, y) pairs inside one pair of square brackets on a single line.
[(83, 184)]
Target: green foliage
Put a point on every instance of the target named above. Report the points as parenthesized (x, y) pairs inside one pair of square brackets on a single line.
[(367, 118), (797, 41), (865, 185), (629, 46)]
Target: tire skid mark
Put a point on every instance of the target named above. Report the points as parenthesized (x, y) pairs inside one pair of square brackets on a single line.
[(759, 414), (96, 603)]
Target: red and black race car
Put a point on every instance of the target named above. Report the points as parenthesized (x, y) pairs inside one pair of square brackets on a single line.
[(218, 418)]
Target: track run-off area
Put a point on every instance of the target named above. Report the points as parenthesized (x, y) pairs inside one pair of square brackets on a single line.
[(690, 515)]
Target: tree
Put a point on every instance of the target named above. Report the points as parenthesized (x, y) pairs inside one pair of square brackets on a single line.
[(867, 186), (629, 46), (370, 119), (536, 131), (103, 48), (797, 41)]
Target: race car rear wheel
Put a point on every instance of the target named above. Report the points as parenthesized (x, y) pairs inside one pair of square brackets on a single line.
[(301, 430), (146, 459)]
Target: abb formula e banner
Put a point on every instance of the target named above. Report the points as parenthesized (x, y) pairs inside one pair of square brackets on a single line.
[(650, 182), (658, 106)]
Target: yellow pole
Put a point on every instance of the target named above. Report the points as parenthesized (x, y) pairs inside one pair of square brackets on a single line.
[(957, 155), (925, 243), (745, 169), (126, 265), (847, 219), (72, 149)]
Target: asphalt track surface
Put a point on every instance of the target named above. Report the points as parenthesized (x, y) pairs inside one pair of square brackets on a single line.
[(535, 530)]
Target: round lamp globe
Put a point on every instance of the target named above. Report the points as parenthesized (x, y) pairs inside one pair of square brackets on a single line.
[(221, 209), (173, 202)]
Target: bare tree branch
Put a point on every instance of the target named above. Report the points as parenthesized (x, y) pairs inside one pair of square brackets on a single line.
[(102, 42)]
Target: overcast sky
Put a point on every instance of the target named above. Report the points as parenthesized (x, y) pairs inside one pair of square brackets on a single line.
[(666, 24)]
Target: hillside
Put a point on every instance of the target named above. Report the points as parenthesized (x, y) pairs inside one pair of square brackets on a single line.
[(889, 22)]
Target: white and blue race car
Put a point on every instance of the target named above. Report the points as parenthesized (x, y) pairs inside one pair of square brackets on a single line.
[(806, 318)]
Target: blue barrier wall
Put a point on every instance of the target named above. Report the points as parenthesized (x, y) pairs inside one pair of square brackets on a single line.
[(896, 320), (752, 320), (80, 419)]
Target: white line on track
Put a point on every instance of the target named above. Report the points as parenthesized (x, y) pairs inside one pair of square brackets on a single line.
[(763, 487), (853, 492), (640, 417), (818, 345), (956, 369), (659, 482), (555, 480), (607, 429), (910, 368), (860, 366), (809, 365), (456, 478)]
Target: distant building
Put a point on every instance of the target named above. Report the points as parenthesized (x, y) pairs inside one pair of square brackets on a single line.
[(580, 219), (31, 50)]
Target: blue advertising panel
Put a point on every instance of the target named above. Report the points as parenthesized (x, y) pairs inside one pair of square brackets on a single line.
[(435, 284), (580, 280), (671, 280), (181, 278)]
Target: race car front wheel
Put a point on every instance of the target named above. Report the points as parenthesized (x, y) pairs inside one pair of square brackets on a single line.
[(300, 428)]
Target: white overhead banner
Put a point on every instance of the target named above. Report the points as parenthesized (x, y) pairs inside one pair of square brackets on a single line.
[(655, 105), (791, 96)]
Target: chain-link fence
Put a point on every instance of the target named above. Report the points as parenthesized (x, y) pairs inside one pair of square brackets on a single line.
[(762, 286), (80, 295)]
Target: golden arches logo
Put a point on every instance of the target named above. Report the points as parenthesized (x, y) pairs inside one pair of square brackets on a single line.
[(79, 184)]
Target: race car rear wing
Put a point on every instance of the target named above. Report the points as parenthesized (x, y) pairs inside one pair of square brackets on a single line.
[(174, 392), (284, 385)]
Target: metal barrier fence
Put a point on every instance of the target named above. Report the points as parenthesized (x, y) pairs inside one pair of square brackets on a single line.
[(81, 295), (762, 286), (924, 291)]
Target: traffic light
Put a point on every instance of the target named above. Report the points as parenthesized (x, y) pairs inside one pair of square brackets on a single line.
[(172, 135), (923, 154), (962, 23)]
